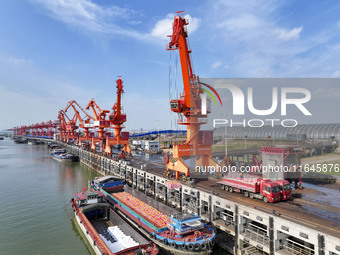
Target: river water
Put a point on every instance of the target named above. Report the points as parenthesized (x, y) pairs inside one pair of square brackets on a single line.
[(35, 191), (35, 215)]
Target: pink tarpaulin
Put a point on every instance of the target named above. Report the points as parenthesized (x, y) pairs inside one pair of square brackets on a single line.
[(173, 185)]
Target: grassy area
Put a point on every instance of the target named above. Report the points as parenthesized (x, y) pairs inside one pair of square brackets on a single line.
[(324, 164), (330, 168)]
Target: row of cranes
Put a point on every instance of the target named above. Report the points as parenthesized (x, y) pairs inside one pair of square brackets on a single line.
[(100, 122), (40, 130)]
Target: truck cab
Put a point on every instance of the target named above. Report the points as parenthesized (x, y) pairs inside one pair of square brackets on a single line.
[(270, 191), (285, 189)]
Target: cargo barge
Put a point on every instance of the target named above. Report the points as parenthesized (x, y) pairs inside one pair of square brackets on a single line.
[(108, 183), (182, 234), (61, 155), (65, 157), (106, 232)]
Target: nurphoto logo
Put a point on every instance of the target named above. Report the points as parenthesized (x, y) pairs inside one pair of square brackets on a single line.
[(281, 96)]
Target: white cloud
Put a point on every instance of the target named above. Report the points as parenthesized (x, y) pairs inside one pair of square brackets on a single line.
[(242, 21), (216, 64), (93, 17), (193, 23), (90, 16), (253, 35), (286, 35), (336, 74), (19, 61), (163, 27), (134, 22)]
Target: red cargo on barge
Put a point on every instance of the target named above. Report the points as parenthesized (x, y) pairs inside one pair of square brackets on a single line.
[(182, 234)]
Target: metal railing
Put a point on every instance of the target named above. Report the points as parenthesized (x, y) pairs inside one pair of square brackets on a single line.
[(256, 234), (297, 248), (188, 229), (228, 219), (251, 250)]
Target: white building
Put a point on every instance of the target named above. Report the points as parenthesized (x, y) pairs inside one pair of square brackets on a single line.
[(147, 145), (151, 145)]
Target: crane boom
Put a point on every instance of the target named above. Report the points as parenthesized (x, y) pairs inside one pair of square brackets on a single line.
[(101, 113), (62, 120), (72, 104), (179, 42)]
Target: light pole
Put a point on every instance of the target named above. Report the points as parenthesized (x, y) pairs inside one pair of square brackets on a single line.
[(225, 135), (159, 147), (245, 142)]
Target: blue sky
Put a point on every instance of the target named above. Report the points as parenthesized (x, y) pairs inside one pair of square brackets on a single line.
[(52, 51)]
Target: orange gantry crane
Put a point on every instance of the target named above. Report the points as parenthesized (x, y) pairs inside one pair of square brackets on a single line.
[(62, 125), (99, 122), (196, 150), (39, 130), (67, 127), (84, 122), (116, 118)]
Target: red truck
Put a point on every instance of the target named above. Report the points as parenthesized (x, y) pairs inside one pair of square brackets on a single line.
[(285, 189), (252, 187)]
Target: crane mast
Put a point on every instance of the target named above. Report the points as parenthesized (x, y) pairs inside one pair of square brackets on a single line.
[(117, 119), (116, 114)]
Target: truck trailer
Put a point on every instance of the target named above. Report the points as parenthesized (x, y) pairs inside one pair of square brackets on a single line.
[(259, 188)]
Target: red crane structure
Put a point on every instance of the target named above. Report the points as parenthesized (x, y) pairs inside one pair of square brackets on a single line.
[(39, 130), (84, 122), (117, 119), (100, 122), (67, 127), (45, 129), (197, 147), (62, 125)]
